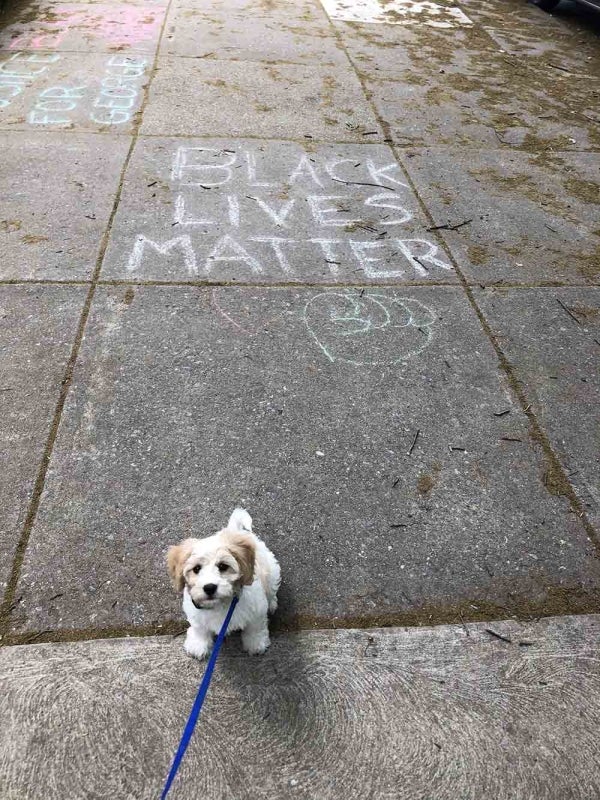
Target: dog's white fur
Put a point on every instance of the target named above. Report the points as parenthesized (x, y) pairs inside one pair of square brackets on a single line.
[(233, 561)]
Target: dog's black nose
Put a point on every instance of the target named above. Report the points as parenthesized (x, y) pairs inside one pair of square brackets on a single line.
[(210, 589)]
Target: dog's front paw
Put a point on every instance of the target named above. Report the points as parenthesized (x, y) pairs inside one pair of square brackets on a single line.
[(197, 646), (255, 642)]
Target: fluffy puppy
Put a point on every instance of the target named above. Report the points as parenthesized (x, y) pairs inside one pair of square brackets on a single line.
[(211, 571)]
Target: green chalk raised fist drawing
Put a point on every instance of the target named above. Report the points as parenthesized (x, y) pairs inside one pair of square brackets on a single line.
[(368, 328)]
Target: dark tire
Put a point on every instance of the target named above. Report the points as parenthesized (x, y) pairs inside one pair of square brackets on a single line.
[(546, 5)]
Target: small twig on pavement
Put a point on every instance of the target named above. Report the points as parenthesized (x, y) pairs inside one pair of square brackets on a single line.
[(359, 183), (370, 641), (448, 227), (568, 310), (498, 636), (414, 441)]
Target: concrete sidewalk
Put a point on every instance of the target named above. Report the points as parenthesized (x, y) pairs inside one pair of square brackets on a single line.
[(445, 712), (339, 263)]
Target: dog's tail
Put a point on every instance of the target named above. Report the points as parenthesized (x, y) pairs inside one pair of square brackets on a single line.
[(240, 521)]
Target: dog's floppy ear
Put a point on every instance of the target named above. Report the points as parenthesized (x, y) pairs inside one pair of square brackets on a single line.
[(176, 558), (242, 548), (240, 521)]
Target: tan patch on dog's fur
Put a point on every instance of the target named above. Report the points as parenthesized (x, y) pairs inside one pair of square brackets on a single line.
[(176, 558), (243, 550)]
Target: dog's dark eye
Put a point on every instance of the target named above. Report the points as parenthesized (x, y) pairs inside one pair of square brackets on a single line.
[(196, 569), (222, 567)]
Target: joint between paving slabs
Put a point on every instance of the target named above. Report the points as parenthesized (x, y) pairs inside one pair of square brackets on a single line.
[(7, 604), (558, 601), (373, 142), (219, 284), (208, 284), (555, 471)]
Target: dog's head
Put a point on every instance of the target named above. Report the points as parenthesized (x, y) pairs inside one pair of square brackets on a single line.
[(215, 568)]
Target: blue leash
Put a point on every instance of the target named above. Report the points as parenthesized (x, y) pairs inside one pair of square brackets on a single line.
[(199, 701)]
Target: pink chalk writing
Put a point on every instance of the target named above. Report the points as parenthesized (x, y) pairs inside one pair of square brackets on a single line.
[(117, 26)]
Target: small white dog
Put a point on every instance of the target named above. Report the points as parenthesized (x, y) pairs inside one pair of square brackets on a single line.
[(211, 571)]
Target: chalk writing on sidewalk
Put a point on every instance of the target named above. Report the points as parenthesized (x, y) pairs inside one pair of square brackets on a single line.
[(20, 71), (119, 90), (114, 101), (292, 215), (355, 328), (115, 26)]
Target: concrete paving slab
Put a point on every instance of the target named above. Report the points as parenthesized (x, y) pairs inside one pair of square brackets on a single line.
[(282, 33), (273, 101), (531, 218), (502, 102), (463, 88), (40, 238), (545, 51), (306, 9), (511, 14), (552, 338), (397, 12), (18, 8), (303, 405), (404, 51), (258, 212), (77, 27), (37, 329), (67, 91), (442, 712)]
